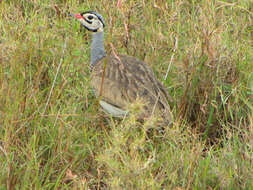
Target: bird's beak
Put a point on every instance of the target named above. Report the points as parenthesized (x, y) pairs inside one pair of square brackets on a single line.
[(77, 16)]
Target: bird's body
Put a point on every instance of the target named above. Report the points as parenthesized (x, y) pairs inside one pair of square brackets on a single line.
[(127, 79), (121, 79)]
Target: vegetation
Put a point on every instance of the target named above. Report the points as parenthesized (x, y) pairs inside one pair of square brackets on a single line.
[(53, 135)]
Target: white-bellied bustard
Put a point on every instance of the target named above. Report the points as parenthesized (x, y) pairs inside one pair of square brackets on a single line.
[(125, 78)]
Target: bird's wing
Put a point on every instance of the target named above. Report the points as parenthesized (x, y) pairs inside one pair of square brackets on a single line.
[(125, 79)]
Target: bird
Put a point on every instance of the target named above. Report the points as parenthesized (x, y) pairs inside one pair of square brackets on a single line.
[(122, 79)]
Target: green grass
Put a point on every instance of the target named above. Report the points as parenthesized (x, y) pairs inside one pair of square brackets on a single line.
[(70, 143)]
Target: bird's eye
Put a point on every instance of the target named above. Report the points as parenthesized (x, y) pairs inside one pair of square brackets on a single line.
[(90, 17)]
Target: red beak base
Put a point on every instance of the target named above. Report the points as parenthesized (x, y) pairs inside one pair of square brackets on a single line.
[(78, 16)]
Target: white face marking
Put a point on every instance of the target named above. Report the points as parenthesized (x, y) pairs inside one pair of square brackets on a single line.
[(92, 22)]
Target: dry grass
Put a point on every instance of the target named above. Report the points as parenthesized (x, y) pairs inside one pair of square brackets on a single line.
[(54, 136)]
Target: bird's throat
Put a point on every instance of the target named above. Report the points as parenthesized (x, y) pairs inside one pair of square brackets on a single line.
[(97, 48)]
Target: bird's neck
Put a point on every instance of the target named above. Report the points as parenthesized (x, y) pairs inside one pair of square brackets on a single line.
[(97, 48)]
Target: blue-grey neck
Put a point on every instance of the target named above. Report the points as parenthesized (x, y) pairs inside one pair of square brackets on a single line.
[(97, 48)]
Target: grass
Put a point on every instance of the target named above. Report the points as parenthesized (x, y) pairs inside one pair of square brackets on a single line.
[(69, 143)]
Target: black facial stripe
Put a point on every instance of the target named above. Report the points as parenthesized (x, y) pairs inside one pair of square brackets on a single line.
[(90, 22), (92, 30)]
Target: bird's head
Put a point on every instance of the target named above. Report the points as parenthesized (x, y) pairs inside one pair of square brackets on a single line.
[(91, 20)]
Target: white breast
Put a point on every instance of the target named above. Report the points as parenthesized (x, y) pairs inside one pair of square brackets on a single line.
[(114, 111)]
